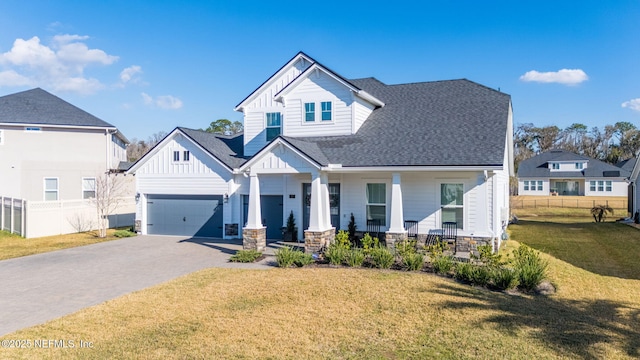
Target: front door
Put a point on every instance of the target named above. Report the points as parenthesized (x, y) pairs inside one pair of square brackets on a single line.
[(334, 207), (272, 214)]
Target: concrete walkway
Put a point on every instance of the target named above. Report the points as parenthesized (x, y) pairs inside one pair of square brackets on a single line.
[(38, 288)]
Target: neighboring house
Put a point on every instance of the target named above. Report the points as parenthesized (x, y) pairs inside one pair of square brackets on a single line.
[(633, 166), (51, 154), (323, 147), (560, 172)]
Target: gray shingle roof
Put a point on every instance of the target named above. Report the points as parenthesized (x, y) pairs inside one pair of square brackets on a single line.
[(538, 167), (442, 123), (37, 106), (228, 149)]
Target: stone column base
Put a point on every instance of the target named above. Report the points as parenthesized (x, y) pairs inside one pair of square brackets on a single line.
[(254, 239), (392, 238), (314, 241)]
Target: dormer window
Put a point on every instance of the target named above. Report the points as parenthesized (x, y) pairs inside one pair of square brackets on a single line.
[(274, 125), (555, 166), (579, 166), (326, 111), (309, 112)]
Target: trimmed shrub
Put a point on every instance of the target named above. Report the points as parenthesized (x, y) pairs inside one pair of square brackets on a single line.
[(123, 233), (480, 275), (303, 259), (413, 261), (381, 257), (245, 256), (354, 257), (286, 256), (463, 272), (442, 264), (530, 267), (335, 254), (504, 278)]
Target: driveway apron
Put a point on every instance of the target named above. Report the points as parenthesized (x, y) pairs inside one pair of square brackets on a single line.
[(42, 287)]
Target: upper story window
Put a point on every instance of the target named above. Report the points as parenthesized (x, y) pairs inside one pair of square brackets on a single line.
[(32, 129), (309, 112), (274, 125), (579, 166), (50, 189), (185, 155), (555, 166), (326, 111), (88, 188), (176, 156)]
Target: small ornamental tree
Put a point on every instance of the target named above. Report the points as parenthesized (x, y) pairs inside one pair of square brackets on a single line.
[(599, 212), (108, 196)]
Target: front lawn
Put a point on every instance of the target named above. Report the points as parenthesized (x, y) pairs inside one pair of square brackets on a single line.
[(337, 313), (12, 246)]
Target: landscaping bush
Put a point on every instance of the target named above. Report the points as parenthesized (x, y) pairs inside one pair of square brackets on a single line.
[(488, 257), (369, 243), (381, 257), (287, 256), (123, 233), (342, 239), (335, 253), (463, 272), (504, 278), (405, 247), (442, 264), (413, 261), (480, 275), (531, 269), (354, 257), (245, 256)]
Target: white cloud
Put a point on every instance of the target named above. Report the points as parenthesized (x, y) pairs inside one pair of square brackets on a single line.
[(59, 65), (564, 76), (128, 75), (12, 78), (164, 101), (633, 104)]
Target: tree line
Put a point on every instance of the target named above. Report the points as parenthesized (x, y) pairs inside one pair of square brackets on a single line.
[(612, 144)]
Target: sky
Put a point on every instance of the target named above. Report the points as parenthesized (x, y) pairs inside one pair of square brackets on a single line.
[(149, 66)]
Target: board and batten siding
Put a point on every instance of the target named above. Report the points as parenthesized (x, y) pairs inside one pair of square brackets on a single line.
[(316, 88)]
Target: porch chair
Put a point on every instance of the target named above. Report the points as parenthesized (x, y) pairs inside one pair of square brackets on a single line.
[(373, 228), (450, 233), (411, 226)]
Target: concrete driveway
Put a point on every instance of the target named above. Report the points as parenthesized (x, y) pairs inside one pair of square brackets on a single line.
[(38, 288)]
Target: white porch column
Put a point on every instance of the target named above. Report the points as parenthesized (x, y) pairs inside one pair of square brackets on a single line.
[(316, 221), (254, 218), (397, 217), (326, 204)]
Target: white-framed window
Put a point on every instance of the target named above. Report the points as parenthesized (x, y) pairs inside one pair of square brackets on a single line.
[(607, 185), (50, 188), (32, 129), (601, 185), (533, 185), (186, 155), (274, 125), (1, 137), (526, 185), (539, 185), (326, 114), (176, 155), (555, 166), (592, 185), (377, 202), (579, 166), (88, 188), (452, 203), (309, 112)]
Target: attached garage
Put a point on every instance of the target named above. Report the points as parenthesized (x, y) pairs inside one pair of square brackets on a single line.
[(185, 215)]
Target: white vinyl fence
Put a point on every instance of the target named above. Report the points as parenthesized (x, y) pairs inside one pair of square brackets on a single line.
[(44, 218)]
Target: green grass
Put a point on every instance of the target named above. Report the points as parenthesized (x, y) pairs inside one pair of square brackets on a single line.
[(346, 313), (12, 246)]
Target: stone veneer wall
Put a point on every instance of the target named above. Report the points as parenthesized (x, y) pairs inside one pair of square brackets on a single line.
[(392, 238), (254, 239), (314, 241), (470, 244)]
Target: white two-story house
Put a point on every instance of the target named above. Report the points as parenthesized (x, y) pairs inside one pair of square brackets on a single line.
[(51, 154), (324, 147), (563, 173)]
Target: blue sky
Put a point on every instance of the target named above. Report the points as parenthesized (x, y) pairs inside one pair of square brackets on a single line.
[(149, 66)]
